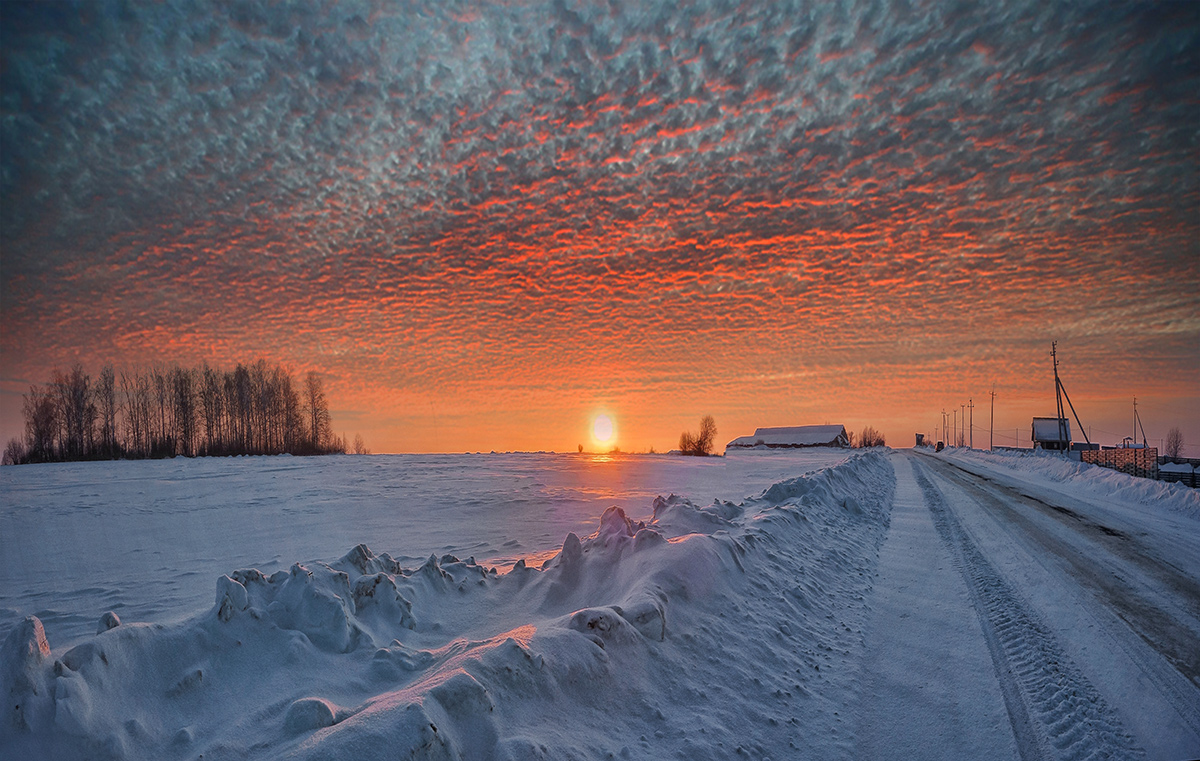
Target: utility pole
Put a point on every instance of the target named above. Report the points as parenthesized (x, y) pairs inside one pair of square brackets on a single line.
[(1063, 436), (971, 428), (955, 442), (962, 432), (1061, 393), (992, 424), (1137, 422)]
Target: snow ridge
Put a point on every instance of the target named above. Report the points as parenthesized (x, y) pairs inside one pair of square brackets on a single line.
[(1054, 711), (1082, 478), (705, 632)]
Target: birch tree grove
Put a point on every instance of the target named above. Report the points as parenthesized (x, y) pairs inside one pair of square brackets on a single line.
[(167, 411)]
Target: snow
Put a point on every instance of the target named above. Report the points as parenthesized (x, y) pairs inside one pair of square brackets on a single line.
[(637, 625), (804, 604), (937, 664), (1176, 467), (1051, 471), (146, 539)]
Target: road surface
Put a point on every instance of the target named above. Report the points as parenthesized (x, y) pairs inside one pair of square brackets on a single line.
[(1016, 622)]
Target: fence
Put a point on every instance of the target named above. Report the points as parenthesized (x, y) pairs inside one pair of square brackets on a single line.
[(1181, 469)]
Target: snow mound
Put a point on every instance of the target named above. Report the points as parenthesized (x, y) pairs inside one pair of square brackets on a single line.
[(706, 632), (1090, 480)]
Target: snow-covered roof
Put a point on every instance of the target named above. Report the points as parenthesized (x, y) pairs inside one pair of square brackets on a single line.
[(1046, 429), (794, 436)]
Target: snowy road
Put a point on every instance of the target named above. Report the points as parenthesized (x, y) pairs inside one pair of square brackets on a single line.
[(1091, 629)]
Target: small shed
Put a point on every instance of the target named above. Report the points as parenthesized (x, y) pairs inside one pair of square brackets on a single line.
[(793, 437), (1051, 433)]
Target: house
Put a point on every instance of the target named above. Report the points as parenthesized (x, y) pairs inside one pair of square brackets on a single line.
[(1051, 433), (793, 437)]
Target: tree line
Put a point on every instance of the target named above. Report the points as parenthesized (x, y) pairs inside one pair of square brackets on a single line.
[(164, 411)]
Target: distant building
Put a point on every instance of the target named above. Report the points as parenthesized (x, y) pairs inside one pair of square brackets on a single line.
[(920, 439), (793, 438), (1049, 433)]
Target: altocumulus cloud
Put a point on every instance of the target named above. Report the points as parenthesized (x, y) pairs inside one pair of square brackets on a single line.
[(516, 191)]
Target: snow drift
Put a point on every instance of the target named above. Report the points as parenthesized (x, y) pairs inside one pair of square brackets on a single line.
[(705, 632), (1085, 479)]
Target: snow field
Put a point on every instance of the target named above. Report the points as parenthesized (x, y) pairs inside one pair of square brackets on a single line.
[(705, 632), (146, 538)]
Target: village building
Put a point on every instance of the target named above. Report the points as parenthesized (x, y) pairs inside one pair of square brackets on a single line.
[(793, 437), (1051, 433)]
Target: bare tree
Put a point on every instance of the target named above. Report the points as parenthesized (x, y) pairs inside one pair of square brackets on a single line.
[(136, 389), (1174, 444), (77, 413), (41, 424), (212, 397), (699, 444), (106, 403), (243, 394), (183, 406), (317, 410), (293, 414), (360, 446), (871, 438), (14, 453), (161, 444)]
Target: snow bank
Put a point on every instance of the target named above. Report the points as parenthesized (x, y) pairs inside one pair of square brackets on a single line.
[(708, 632), (1087, 479)]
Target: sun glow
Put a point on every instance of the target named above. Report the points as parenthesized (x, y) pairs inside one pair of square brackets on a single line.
[(603, 430)]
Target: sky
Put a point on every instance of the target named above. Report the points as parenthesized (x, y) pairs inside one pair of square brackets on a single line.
[(486, 223)]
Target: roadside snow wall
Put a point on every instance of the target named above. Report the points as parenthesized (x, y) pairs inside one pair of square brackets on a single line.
[(707, 632)]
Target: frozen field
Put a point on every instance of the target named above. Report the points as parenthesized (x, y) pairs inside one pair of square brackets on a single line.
[(146, 539), (804, 605)]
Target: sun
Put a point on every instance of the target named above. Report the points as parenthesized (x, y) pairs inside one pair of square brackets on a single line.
[(603, 430)]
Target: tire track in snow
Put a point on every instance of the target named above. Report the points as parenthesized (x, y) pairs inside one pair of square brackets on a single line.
[(1168, 629), (1160, 638), (1054, 711)]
